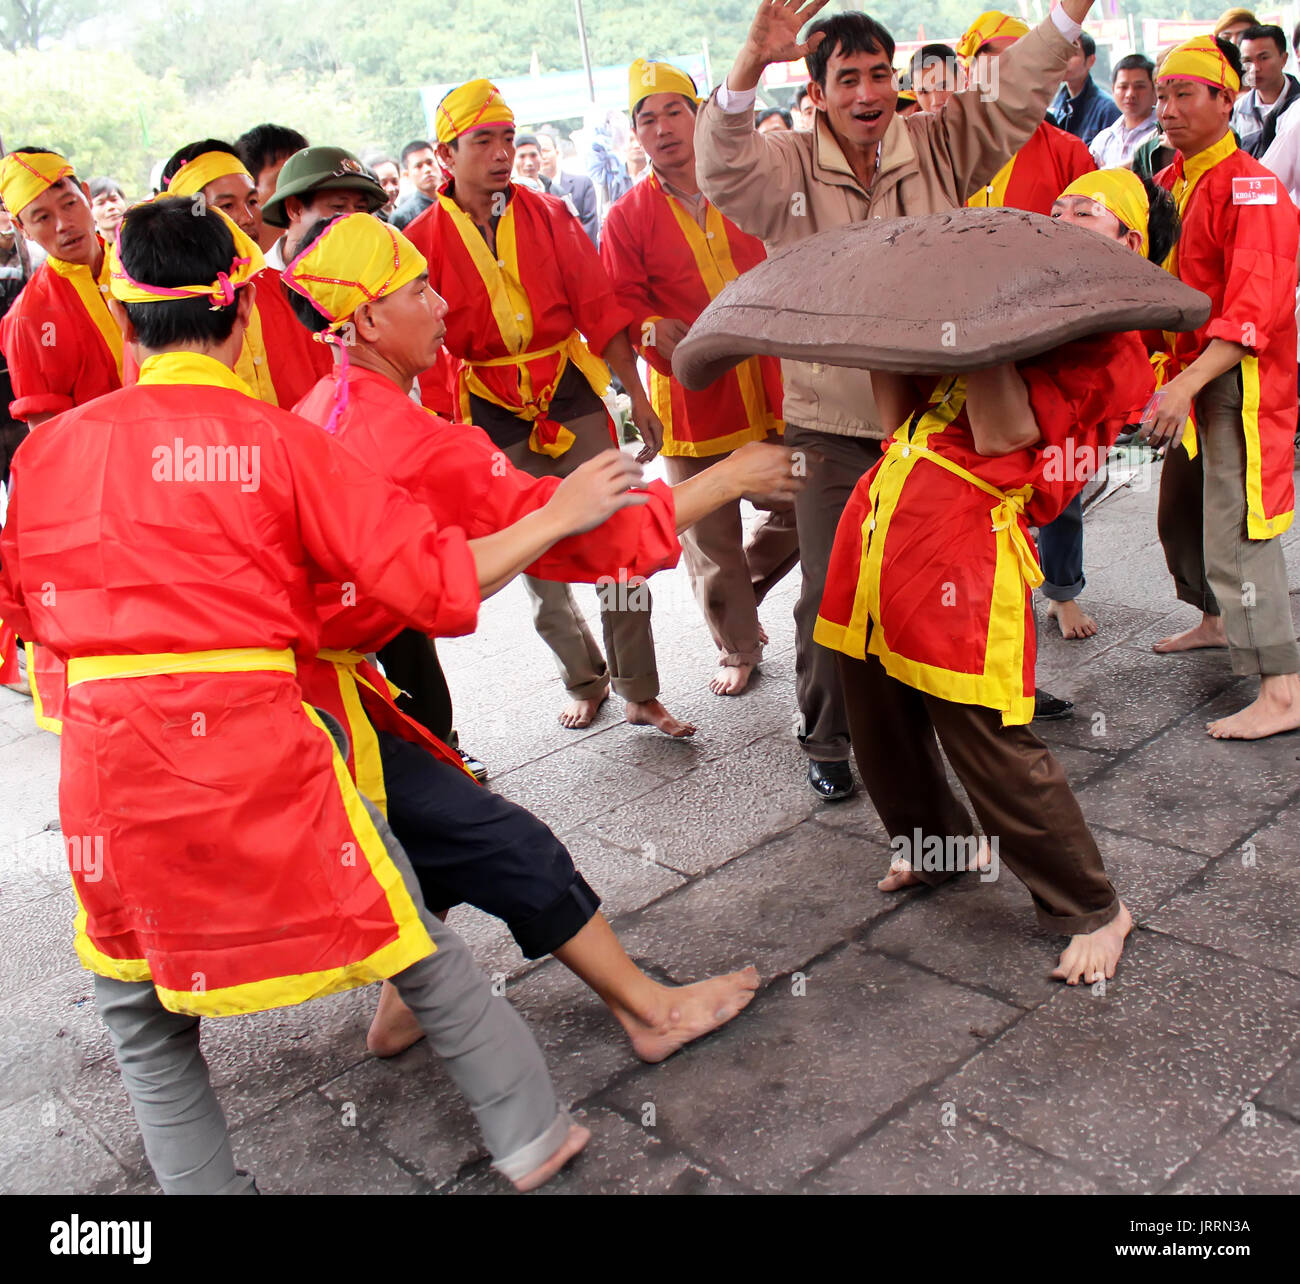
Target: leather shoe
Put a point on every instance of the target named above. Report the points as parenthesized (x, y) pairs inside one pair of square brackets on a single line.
[(1050, 708), (831, 781)]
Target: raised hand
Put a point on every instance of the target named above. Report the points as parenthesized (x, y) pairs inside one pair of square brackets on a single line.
[(774, 37)]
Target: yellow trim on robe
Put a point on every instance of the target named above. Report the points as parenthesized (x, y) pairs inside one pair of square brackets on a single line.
[(95, 668), (93, 293), (1257, 525), (94, 959), (42, 719), (252, 366), (361, 731)]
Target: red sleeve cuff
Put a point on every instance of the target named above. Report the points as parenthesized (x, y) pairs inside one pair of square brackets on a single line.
[(42, 403), (1246, 333)]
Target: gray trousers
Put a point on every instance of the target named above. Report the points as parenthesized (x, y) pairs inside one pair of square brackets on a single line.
[(483, 1043), (1202, 525), (629, 664), (834, 466)]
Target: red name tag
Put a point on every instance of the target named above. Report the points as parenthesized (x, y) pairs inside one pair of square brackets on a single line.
[(1254, 191)]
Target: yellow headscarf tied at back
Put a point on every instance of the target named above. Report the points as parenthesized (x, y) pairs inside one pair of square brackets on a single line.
[(1122, 193), (477, 104), (26, 175), (194, 175), (246, 264), (355, 260), (646, 78), (990, 25), (1199, 59)]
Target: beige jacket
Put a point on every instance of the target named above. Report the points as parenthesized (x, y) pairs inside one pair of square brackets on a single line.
[(782, 187)]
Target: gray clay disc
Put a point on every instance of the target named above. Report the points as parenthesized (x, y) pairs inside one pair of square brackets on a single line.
[(937, 293)]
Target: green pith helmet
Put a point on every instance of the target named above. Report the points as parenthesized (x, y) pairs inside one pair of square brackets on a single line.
[(316, 169)]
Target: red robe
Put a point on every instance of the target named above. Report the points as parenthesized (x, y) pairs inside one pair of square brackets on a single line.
[(456, 472), (933, 573), (1038, 173), (516, 321), (64, 349), (664, 264), (216, 842), (1243, 255)]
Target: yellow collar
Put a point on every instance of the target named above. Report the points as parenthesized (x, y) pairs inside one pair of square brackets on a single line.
[(1194, 168), (191, 368)]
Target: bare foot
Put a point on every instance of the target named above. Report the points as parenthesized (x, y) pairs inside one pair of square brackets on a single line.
[(394, 1028), (578, 714), (762, 636), (731, 679), (900, 876), (689, 1012), (1209, 632), (1276, 709), (1073, 621), (1092, 956), (576, 1140), (650, 713)]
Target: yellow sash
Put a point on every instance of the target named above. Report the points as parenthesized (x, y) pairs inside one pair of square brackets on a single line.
[(361, 731), (251, 659)]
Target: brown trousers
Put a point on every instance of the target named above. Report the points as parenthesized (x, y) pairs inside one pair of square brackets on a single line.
[(730, 575), (629, 661), (1017, 788), (834, 466), (1202, 524)]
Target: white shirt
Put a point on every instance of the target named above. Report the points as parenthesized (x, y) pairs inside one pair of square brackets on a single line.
[(734, 101), (1115, 145)]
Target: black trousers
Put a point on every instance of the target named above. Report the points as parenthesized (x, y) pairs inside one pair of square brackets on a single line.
[(468, 845), (411, 661)]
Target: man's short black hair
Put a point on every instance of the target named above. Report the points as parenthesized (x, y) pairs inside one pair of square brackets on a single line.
[(799, 95), (1163, 224), (1295, 38), (164, 242), (416, 145), (265, 144), (99, 186), (1088, 45), (1134, 62), (1265, 31), (192, 150), (775, 111), (1233, 55), (927, 55), (303, 308), (846, 33)]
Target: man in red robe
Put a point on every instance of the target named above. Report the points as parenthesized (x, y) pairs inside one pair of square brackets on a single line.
[(62, 346), (533, 318), (669, 252), (1031, 180), (222, 858), (1228, 413), (278, 361), (364, 288), (929, 603)]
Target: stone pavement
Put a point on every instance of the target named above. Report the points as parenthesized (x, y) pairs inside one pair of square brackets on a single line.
[(899, 1044)]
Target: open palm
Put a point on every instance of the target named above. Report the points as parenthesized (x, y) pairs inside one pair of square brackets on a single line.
[(774, 34)]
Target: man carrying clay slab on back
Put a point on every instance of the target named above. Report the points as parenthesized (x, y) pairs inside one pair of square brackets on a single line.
[(860, 162)]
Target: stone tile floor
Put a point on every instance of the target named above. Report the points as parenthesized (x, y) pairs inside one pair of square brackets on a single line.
[(899, 1044)]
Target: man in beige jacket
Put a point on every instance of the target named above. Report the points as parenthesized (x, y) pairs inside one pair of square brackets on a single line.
[(860, 162)]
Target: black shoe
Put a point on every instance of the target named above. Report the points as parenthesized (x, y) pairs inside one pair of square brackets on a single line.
[(475, 768), (831, 781), (1050, 708)]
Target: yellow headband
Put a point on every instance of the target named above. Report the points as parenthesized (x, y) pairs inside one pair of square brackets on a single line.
[(244, 266), (646, 78), (194, 175), (474, 105), (356, 260), (26, 175), (990, 25), (1199, 59), (1122, 193)]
